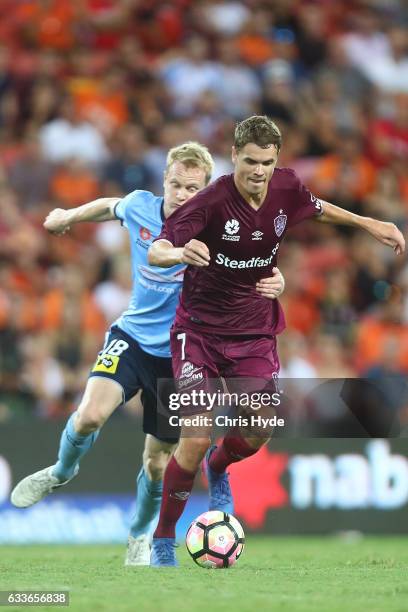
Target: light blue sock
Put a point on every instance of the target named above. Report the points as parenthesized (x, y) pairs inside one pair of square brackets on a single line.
[(149, 494), (72, 447)]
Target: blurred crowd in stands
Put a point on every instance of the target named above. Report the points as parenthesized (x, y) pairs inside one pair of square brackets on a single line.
[(92, 95)]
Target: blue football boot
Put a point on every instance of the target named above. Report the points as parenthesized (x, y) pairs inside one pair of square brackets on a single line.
[(163, 553), (219, 487)]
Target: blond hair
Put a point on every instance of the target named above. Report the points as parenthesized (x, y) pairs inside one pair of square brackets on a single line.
[(191, 154)]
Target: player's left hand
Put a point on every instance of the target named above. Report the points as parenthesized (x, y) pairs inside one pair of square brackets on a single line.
[(272, 286), (387, 233)]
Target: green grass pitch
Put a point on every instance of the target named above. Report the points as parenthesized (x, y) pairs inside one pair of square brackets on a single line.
[(274, 573)]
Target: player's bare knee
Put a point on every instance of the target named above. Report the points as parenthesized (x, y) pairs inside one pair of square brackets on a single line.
[(88, 419), (259, 431), (191, 451), (155, 464), (257, 441), (198, 446), (259, 435)]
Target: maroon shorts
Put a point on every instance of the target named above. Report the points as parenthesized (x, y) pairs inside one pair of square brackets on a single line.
[(245, 364)]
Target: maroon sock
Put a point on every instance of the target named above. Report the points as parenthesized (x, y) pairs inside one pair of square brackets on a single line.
[(177, 485), (232, 449)]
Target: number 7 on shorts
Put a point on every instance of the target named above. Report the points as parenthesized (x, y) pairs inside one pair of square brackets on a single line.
[(182, 337)]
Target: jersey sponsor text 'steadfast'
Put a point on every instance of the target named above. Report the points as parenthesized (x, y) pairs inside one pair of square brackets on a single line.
[(244, 244), (155, 291)]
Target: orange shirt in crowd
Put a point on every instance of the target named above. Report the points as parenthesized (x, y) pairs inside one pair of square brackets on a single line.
[(100, 107), (50, 25), (254, 49), (90, 317), (360, 176), (372, 338), (301, 312), (19, 311), (19, 300), (72, 187)]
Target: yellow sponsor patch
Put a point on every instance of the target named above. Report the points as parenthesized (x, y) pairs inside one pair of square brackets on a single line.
[(106, 363)]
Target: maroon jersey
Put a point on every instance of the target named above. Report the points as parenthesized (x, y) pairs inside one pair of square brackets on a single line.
[(243, 244)]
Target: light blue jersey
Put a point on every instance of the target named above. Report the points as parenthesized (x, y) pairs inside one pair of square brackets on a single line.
[(155, 291)]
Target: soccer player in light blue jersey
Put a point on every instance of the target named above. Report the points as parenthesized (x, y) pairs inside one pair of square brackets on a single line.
[(136, 353)]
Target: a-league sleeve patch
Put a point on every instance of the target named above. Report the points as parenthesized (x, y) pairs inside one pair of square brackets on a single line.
[(106, 363)]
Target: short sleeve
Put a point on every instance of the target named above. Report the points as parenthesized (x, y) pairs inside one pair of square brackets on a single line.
[(122, 207), (129, 210), (306, 204)]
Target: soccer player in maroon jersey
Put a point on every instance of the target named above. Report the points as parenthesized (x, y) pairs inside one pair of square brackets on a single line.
[(230, 234)]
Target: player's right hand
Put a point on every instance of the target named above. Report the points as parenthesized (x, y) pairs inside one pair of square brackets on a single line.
[(195, 253), (57, 221)]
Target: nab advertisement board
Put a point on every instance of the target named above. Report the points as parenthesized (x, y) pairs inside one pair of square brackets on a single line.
[(288, 487)]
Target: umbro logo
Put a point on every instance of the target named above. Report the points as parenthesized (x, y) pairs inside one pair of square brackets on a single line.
[(317, 202), (231, 230), (257, 235), (181, 495)]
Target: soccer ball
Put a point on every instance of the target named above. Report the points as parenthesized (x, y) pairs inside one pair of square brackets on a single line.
[(215, 539)]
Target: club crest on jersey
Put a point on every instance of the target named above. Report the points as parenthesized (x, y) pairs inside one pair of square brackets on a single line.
[(231, 230), (280, 224), (144, 233)]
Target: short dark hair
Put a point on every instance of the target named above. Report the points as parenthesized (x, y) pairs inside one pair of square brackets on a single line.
[(258, 129)]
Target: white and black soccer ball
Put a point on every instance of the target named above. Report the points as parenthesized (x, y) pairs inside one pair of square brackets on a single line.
[(215, 539)]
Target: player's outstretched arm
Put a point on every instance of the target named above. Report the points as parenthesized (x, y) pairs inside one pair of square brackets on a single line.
[(59, 220), (164, 255), (387, 233), (273, 286)]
